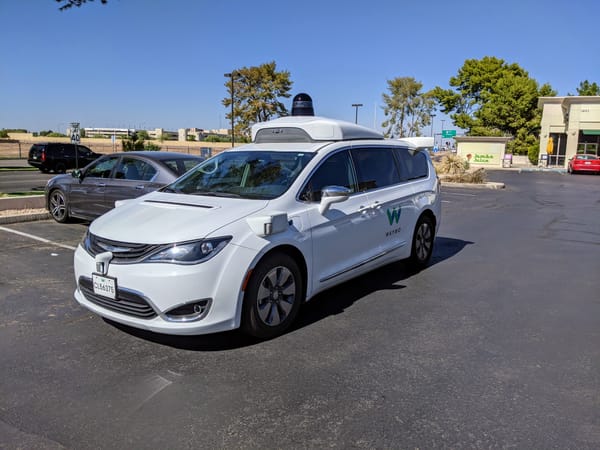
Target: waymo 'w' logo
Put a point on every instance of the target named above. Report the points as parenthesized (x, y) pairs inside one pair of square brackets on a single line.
[(394, 215)]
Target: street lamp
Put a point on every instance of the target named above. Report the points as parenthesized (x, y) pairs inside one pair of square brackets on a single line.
[(232, 76), (356, 105), (432, 116)]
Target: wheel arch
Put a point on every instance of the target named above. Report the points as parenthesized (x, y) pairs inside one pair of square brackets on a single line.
[(296, 255), (430, 215)]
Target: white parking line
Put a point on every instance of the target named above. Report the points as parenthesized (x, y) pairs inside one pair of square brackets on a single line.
[(37, 238), (456, 193)]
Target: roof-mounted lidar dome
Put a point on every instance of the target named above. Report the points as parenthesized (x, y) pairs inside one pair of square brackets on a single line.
[(302, 105)]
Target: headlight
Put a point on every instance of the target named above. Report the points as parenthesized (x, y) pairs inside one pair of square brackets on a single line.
[(189, 252)]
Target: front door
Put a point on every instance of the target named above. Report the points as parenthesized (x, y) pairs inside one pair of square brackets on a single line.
[(340, 236), (87, 196)]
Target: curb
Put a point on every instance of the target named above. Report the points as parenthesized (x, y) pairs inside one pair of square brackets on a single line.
[(23, 218), (486, 185), (25, 202)]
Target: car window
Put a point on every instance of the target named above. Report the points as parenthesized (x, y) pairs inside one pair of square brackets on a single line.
[(336, 170), (83, 151), (102, 168), (375, 168), (413, 164), (134, 169), (180, 166), (246, 174)]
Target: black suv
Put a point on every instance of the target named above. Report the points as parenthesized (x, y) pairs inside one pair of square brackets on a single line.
[(59, 157)]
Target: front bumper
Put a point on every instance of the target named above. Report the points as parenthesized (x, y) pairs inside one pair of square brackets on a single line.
[(146, 292)]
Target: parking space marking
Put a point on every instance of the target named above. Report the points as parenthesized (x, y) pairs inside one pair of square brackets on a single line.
[(457, 193), (37, 238)]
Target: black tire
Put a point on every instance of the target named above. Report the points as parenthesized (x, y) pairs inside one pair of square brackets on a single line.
[(273, 296), (58, 207), (60, 168), (44, 170), (422, 243)]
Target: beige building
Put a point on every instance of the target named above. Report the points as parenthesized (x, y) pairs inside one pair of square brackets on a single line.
[(570, 125)]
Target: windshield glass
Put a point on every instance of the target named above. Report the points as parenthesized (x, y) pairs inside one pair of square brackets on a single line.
[(245, 174)]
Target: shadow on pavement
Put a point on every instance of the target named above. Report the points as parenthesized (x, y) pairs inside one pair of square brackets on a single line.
[(331, 302)]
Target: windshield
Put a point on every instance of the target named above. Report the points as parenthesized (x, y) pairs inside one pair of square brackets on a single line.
[(245, 174)]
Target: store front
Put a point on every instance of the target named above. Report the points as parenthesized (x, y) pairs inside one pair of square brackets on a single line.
[(570, 126)]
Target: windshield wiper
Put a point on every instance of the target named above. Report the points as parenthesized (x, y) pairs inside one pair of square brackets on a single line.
[(217, 194), (170, 190)]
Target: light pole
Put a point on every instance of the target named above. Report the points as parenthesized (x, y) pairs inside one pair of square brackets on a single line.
[(231, 75), (356, 106), (432, 116)]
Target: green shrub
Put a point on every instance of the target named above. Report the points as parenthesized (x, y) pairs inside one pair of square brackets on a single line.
[(452, 165), (534, 154), (151, 146)]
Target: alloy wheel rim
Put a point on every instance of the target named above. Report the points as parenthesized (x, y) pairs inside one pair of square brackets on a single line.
[(57, 205), (276, 296), (423, 241)]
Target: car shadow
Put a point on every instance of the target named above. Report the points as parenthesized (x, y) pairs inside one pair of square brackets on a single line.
[(331, 302)]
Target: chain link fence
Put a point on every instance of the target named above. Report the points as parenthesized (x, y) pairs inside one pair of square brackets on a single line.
[(19, 149)]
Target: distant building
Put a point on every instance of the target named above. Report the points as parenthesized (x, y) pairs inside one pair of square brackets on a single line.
[(106, 132), (181, 134), (570, 125)]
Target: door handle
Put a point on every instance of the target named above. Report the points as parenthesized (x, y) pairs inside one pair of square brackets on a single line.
[(139, 187), (101, 185)]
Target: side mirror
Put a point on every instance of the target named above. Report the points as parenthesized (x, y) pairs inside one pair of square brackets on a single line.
[(77, 173), (333, 194)]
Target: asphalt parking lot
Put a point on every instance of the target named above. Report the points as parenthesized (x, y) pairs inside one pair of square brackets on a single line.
[(496, 344)]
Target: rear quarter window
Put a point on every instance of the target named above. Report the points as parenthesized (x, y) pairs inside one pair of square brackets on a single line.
[(413, 164), (375, 168)]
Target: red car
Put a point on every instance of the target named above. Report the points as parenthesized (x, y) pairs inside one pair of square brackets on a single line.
[(584, 163)]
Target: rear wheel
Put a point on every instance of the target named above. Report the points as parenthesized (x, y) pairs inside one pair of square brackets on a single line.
[(422, 244), (273, 296), (57, 204), (60, 167)]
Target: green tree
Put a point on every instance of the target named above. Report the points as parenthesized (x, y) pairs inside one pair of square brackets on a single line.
[(406, 108), (587, 88), (143, 134), (490, 97), (256, 94), (4, 134), (131, 143)]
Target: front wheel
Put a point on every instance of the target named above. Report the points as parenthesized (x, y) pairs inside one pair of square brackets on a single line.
[(57, 204), (273, 296), (422, 244)]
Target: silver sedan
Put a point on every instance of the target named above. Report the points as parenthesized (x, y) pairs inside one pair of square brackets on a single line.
[(93, 190)]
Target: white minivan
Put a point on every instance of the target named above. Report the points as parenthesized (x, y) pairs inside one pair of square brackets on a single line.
[(248, 235)]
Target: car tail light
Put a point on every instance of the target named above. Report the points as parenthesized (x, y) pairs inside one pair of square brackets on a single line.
[(43, 155)]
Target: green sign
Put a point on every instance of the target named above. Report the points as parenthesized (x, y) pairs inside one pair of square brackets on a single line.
[(448, 133)]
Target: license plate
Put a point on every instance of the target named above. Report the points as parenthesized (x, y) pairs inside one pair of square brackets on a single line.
[(587, 163), (104, 286)]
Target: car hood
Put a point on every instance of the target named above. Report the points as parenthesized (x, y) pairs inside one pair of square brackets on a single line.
[(161, 218)]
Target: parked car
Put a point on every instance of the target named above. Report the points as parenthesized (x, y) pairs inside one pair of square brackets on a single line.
[(93, 190), (584, 164), (248, 235), (60, 157)]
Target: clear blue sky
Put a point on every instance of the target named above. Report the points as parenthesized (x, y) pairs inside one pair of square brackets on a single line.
[(158, 63)]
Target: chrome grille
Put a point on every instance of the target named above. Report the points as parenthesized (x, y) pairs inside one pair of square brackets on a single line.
[(127, 302), (123, 252)]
